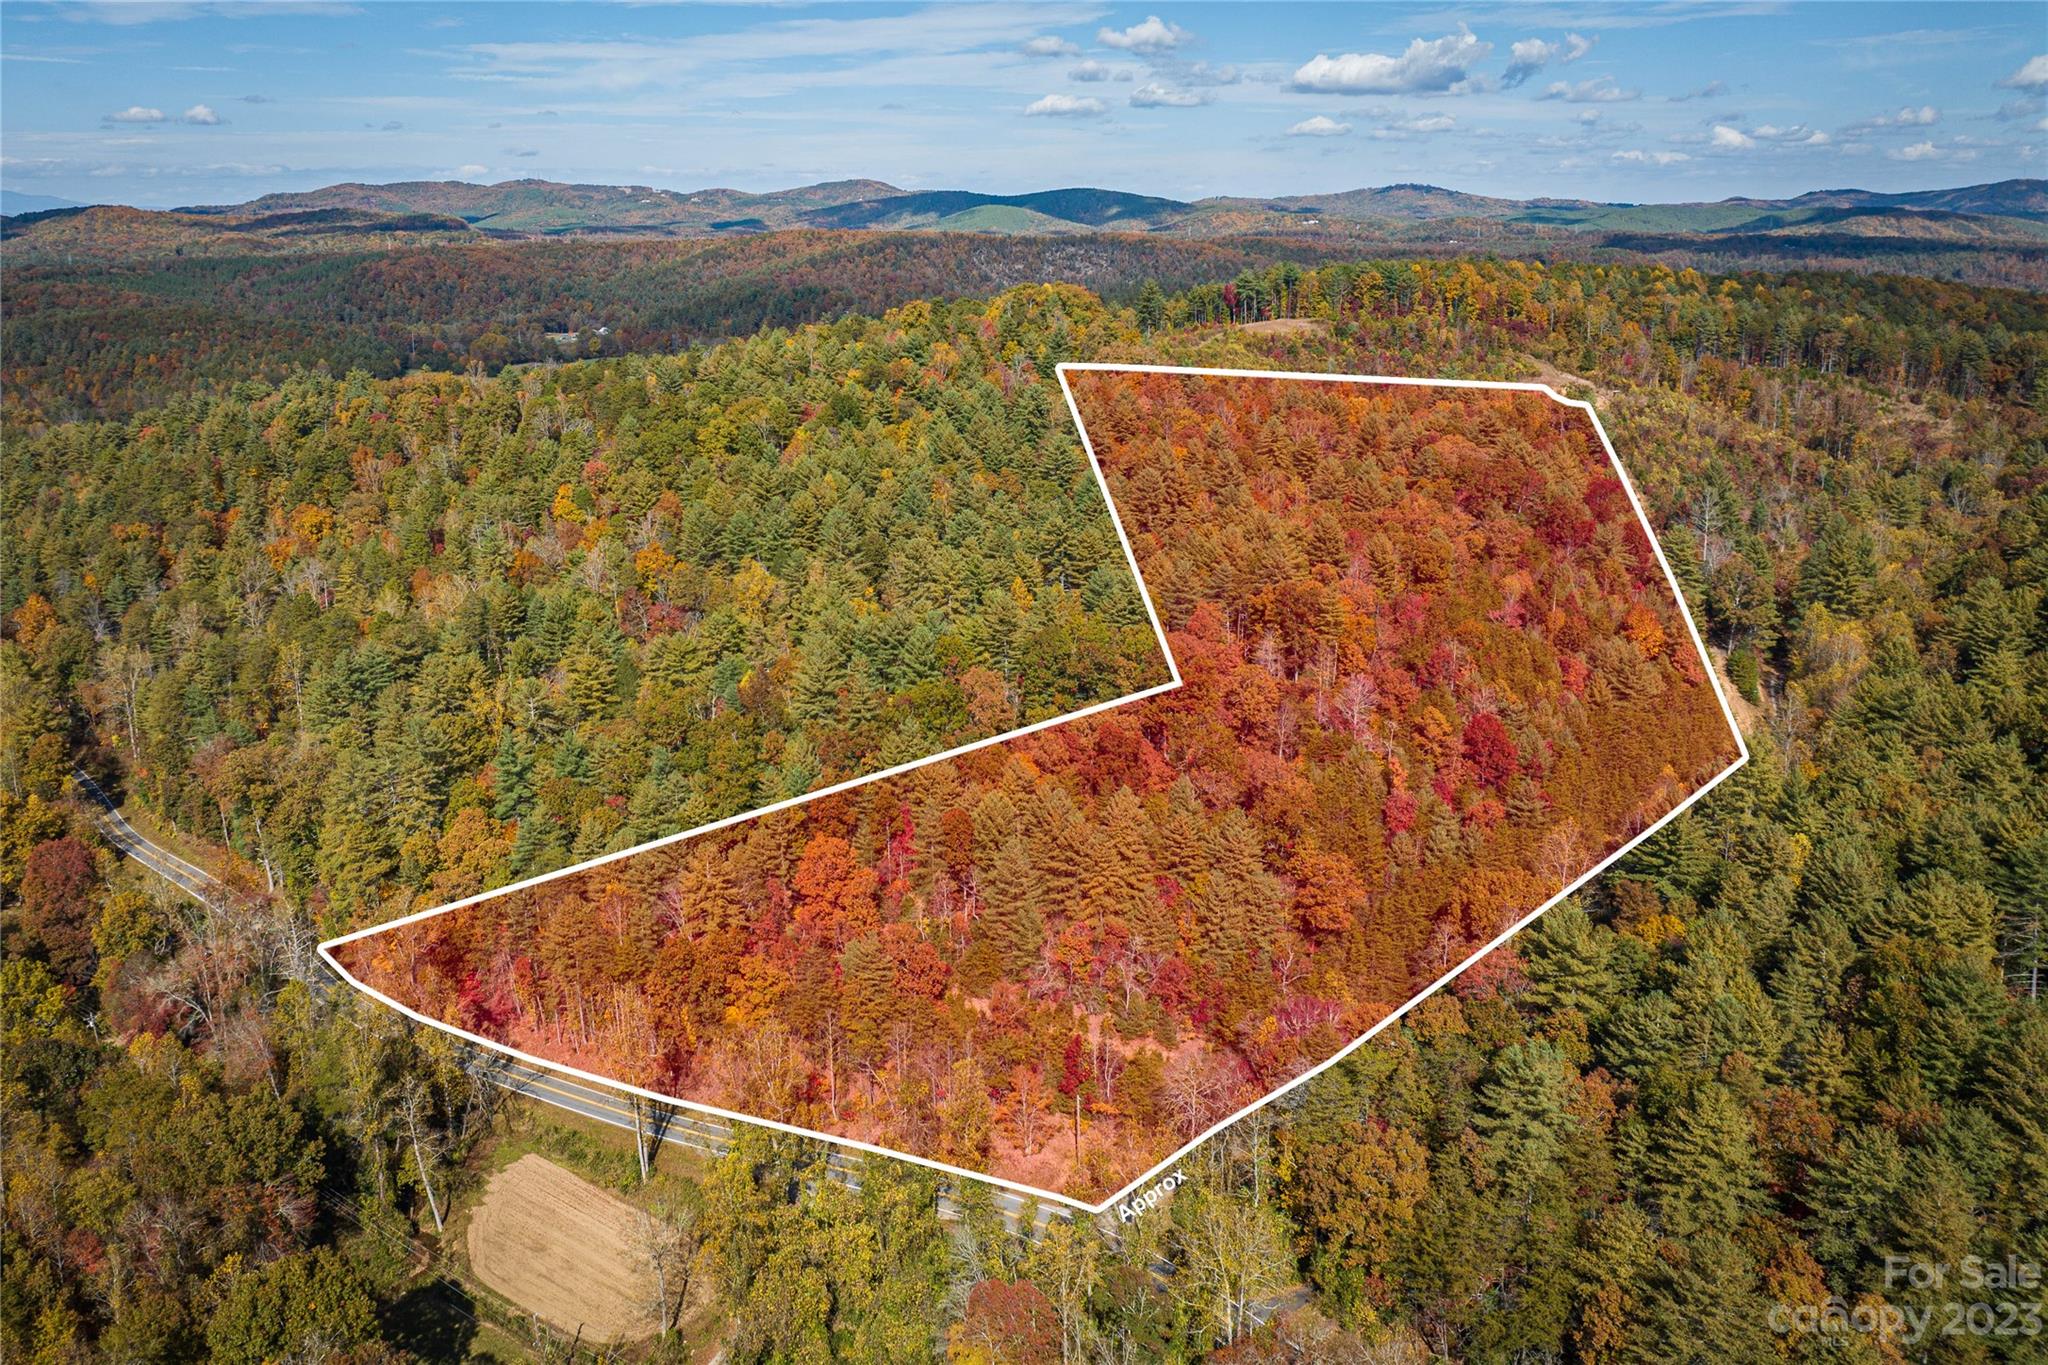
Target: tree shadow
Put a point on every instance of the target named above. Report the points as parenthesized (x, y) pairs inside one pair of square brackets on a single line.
[(435, 1321)]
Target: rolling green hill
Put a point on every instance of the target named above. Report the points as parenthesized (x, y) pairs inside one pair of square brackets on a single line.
[(545, 206), (1008, 219), (1090, 208)]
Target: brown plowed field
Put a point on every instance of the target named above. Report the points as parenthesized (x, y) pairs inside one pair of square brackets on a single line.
[(559, 1247)]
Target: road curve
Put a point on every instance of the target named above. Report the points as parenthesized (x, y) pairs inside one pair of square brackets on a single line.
[(682, 1127), (195, 882)]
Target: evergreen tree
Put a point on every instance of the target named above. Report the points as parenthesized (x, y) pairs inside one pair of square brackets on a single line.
[(1703, 1305), (1011, 926), (1702, 1164), (1521, 1114), (1566, 960), (1118, 882), (1841, 570), (1151, 307), (1743, 672), (513, 770)]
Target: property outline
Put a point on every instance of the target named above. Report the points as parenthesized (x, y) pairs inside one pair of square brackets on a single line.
[(1088, 446)]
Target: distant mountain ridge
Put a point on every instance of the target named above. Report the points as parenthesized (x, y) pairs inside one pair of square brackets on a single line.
[(545, 205), (2014, 211), (14, 203)]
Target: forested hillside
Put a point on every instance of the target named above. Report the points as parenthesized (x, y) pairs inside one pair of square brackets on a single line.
[(122, 311), (624, 603), (1431, 673), (1796, 1034), (115, 310)]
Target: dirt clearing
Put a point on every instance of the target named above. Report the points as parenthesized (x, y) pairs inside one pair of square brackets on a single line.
[(562, 1248), (1286, 327)]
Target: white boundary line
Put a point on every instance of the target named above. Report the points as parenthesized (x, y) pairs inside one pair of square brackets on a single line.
[(1159, 633), (1671, 580)]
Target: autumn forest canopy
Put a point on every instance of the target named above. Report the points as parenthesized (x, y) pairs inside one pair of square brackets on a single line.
[(368, 631), (1431, 672)]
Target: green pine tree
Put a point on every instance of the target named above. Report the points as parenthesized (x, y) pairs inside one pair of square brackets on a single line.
[(1011, 926), (514, 768), (1521, 1114), (1703, 1165), (1841, 570), (1151, 307)]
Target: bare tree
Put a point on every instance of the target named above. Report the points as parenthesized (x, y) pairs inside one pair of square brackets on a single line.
[(672, 1240), (415, 1118), (643, 1110), (1066, 1264), (1193, 1091), (1232, 1259)]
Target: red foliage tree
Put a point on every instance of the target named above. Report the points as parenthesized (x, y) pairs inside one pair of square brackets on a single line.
[(57, 905), (1490, 750), (1008, 1322)]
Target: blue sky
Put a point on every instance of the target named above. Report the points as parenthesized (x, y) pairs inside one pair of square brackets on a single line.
[(176, 103)]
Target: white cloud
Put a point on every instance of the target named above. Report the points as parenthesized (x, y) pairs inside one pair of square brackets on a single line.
[(124, 12), (1531, 55), (1919, 151), (1396, 129), (1066, 106), (136, 113), (1710, 90), (1731, 139), (1908, 117), (1652, 158), (1319, 126), (40, 167), (1094, 71), (1428, 66), (2032, 76), (1797, 135), (1153, 95), (1599, 90), (472, 171), (947, 45), (203, 115), (1048, 46), (1154, 35), (1525, 59), (1201, 73)]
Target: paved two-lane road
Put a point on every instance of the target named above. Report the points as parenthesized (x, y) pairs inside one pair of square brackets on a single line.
[(682, 1127), (195, 882)]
